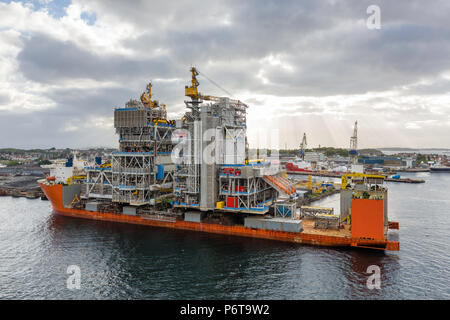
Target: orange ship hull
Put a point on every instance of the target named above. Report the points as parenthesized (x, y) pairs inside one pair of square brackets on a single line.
[(55, 194)]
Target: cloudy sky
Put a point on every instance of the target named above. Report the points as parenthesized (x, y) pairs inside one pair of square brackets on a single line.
[(302, 66)]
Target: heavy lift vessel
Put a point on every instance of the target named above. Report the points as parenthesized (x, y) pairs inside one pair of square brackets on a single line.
[(194, 174)]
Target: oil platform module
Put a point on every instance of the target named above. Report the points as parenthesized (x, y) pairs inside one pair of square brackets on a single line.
[(193, 174)]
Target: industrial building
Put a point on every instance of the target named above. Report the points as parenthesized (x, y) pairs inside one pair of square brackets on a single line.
[(141, 171), (387, 161), (194, 174), (213, 172), (208, 169)]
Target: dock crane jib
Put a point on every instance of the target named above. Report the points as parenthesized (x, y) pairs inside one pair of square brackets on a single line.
[(146, 98), (192, 90), (354, 144), (303, 146)]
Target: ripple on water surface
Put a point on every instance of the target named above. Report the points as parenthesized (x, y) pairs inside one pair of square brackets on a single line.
[(120, 261)]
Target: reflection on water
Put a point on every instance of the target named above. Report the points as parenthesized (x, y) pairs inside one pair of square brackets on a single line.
[(120, 261)]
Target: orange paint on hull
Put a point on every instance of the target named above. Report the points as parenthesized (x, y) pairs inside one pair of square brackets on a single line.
[(54, 194), (368, 219)]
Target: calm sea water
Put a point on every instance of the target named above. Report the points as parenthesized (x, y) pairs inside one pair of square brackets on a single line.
[(120, 261)]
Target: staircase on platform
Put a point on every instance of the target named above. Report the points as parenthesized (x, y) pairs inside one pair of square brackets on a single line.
[(281, 184)]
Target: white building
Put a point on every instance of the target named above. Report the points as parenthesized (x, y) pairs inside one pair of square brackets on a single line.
[(314, 157)]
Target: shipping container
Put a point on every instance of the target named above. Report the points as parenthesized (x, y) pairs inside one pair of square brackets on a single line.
[(129, 210), (91, 206), (279, 224), (232, 202), (367, 218), (192, 216)]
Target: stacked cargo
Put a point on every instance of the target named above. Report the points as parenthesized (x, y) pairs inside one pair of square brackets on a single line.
[(232, 202), (326, 221), (278, 224)]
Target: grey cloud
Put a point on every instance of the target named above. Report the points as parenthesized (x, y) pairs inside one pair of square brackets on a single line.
[(42, 132), (45, 59), (313, 37), (4, 99), (75, 108), (78, 103), (439, 86), (325, 61), (309, 109)]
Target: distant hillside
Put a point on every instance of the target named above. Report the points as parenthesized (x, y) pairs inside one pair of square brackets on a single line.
[(413, 149), (329, 151), (370, 152), (22, 151)]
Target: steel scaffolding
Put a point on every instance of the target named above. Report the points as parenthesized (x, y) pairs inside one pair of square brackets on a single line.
[(142, 170), (218, 130)]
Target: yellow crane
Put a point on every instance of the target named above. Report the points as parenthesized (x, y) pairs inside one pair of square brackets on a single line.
[(146, 99), (247, 161), (349, 176), (105, 165), (73, 179), (192, 90), (315, 187)]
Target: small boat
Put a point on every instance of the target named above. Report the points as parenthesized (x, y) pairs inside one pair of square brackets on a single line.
[(439, 168), (299, 166)]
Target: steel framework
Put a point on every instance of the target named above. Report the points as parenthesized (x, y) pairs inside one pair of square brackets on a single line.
[(142, 170)]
